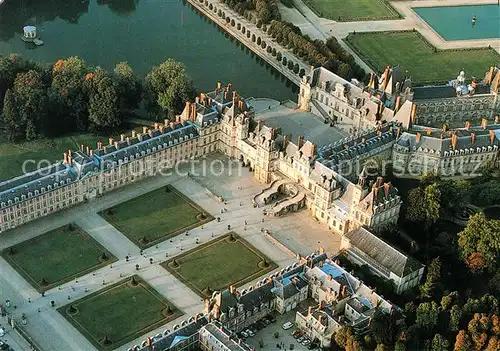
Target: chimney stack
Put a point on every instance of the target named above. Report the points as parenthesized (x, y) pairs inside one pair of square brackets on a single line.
[(329, 277), (91, 153), (260, 123), (229, 86), (156, 125), (166, 121), (144, 130), (81, 147), (418, 137), (134, 134), (319, 319), (313, 149), (172, 125), (467, 125), (187, 109), (88, 150), (285, 141), (484, 123), (492, 136), (116, 145), (128, 140), (122, 137), (110, 141), (454, 141), (380, 181), (232, 289), (70, 158), (413, 113), (309, 310), (300, 142), (197, 100), (444, 127), (219, 84), (193, 115), (234, 94), (473, 138), (66, 157), (225, 95), (429, 131), (386, 190)]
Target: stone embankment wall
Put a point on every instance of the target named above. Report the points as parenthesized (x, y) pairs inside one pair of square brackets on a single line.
[(203, 7)]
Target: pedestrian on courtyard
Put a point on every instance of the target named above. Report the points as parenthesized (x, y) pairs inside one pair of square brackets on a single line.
[(246, 223), (29, 299)]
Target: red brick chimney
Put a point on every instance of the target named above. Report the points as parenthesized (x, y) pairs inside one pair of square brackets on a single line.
[(70, 158), (172, 125), (110, 141), (219, 84), (116, 145), (473, 137), (88, 150), (454, 141), (418, 137), (492, 136), (66, 157), (81, 147), (380, 181), (467, 125), (484, 123)]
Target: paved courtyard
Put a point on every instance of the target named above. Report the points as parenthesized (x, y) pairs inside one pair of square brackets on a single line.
[(298, 231), (297, 122)]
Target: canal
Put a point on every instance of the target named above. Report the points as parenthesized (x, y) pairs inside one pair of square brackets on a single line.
[(144, 33)]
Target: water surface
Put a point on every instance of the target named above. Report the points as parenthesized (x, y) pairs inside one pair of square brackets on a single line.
[(142, 32)]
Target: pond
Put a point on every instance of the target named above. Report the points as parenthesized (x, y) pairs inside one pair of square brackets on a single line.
[(144, 33), (455, 22)]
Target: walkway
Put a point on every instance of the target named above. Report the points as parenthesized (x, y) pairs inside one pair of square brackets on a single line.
[(53, 332)]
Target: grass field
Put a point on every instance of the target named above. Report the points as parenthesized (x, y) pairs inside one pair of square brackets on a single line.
[(413, 53), (352, 10), (218, 264), (57, 256), (157, 215), (120, 313), (13, 155)]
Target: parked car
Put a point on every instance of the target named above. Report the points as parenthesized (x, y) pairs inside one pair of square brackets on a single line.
[(4, 346), (287, 325), (267, 321), (297, 334), (312, 346), (250, 332), (244, 334), (306, 342), (300, 339), (271, 318)]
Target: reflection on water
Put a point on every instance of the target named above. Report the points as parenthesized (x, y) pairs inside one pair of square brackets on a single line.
[(492, 212), (143, 33)]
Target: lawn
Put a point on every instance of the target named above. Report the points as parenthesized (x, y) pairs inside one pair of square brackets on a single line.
[(155, 216), (119, 313), (412, 52), (56, 257), (44, 152), (218, 264), (353, 10)]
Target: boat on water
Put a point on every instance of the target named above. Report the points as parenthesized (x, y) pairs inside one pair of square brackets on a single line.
[(38, 42)]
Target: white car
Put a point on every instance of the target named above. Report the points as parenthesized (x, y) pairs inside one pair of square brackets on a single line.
[(287, 325), (244, 334), (249, 332), (2, 331)]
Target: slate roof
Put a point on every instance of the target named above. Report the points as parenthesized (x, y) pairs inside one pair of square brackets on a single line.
[(434, 92), (227, 300), (56, 175), (171, 339), (224, 339), (257, 296), (409, 140), (334, 154), (382, 253), (139, 149)]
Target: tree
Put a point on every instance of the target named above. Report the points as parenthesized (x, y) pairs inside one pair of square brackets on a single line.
[(278, 56), (433, 277), (167, 88), (259, 41), (481, 236), (12, 118), (128, 87), (67, 95), (284, 61), (382, 347), (455, 317), (427, 315), (463, 342), (296, 68), (103, 104), (439, 343), (447, 300), (342, 335), (424, 205), (344, 70)]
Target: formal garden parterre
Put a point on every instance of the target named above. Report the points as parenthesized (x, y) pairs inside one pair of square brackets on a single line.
[(57, 257), (425, 63), (228, 260), (353, 10), (119, 313), (158, 215)]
